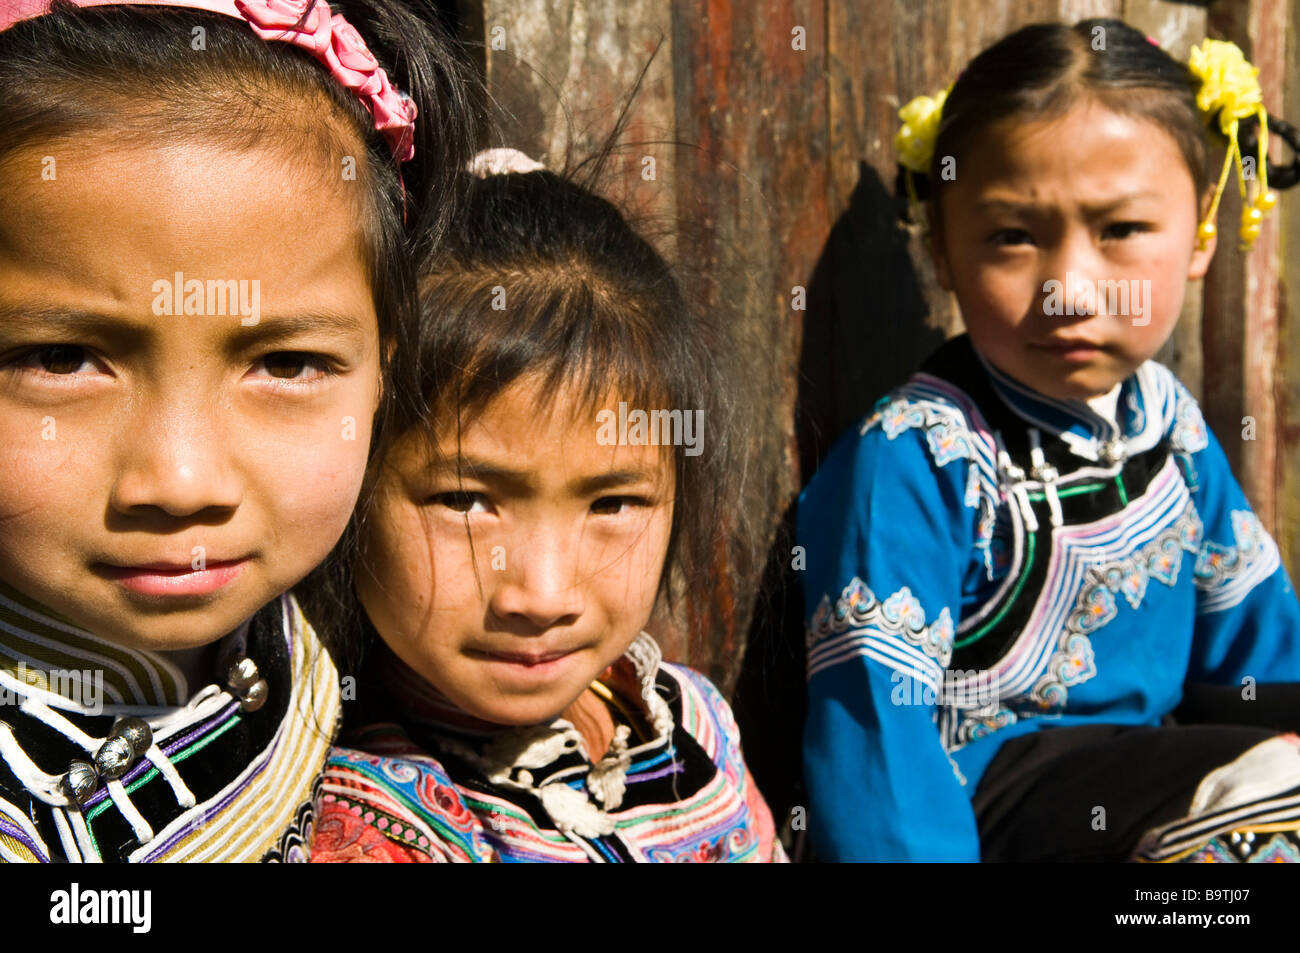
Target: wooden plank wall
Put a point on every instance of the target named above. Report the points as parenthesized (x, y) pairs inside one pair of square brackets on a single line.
[(771, 125)]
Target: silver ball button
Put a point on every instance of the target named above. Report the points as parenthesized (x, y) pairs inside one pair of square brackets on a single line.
[(242, 675), (136, 731), (81, 781), (255, 697), (114, 757)]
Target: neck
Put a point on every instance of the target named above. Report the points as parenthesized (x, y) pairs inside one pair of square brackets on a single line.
[(198, 665)]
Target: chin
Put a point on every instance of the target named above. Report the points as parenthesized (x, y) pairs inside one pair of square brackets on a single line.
[(166, 637), (1081, 390), (533, 712), (170, 630)]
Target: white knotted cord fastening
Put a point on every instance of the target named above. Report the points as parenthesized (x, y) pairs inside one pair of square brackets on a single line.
[(1046, 474), (48, 788)]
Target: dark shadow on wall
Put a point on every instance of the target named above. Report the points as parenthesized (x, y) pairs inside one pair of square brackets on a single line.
[(864, 332)]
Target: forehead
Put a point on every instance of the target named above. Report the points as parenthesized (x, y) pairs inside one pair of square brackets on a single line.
[(88, 224), (1088, 154), (555, 438)]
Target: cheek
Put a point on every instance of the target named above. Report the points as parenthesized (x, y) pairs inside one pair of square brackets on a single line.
[(398, 583), (313, 475), (315, 490), (1164, 287), (996, 297), (632, 583), (37, 475)]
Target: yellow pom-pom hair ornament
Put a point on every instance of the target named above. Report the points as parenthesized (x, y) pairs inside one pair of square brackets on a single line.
[(1230, 91), (914, 141)]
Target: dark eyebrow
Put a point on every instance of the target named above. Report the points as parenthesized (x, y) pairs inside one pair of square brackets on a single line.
[(614, 479), (482, 470), (1094, 209), (996, 205), (490, 472), (1101, 208), (63, 319), (270, 328), (277, 328)]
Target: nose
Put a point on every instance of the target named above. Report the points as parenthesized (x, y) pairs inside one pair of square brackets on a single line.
[(176, 458), (540, 585), (1071, 273)]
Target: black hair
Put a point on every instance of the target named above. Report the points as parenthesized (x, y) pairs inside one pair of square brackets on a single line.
[(1042, 69), (590, 305), (135, 71)]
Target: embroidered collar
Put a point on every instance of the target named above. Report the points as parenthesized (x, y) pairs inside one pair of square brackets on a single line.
[(1143, 410), (218, 782), (49, 653), (545, 761)]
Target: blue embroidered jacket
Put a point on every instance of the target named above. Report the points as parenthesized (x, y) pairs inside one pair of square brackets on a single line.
[(984, 561)]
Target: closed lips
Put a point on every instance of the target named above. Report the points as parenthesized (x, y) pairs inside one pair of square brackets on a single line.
[(168, 567), (524, 658)]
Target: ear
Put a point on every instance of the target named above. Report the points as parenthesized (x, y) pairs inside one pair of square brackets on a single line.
[(1202, 256), (935, 244)]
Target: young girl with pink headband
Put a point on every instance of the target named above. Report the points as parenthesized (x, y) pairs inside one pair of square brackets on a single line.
[(206, 293)]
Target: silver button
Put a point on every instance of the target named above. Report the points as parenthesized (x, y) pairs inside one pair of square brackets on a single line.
[(1114, 451)]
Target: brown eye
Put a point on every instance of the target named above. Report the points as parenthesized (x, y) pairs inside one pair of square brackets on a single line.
[(286, 364), (461, 501), (615, 505), (1010, 237), (1122, 230), (61, 358)]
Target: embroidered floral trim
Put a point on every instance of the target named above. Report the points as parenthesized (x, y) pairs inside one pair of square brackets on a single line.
[(945, 430), (901, 615), (1189, 434), (949, 438), (1096, 605), (1220, 564)]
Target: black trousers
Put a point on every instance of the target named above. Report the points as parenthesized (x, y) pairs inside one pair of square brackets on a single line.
[(1089, 793)]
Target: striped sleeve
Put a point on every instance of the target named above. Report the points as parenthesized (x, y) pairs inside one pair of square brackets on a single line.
[(708, 718), (889, 532), (1248, 619)]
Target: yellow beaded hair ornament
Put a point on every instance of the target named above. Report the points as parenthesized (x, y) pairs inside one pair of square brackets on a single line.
[(914, 141), (1230, 90)]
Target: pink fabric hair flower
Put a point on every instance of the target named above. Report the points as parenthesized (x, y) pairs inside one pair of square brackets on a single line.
[(336, 43)]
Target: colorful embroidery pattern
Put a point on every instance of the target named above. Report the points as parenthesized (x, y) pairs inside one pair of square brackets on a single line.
[(1105, 587), (1247, 847), (1189, 434), (1247, 811), (527, 794), (1225, 574), (1096, 604), (892, 631), (931, 405), (238, 785)]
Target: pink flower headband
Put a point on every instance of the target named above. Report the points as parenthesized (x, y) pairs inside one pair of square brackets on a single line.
[(329, 38)]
